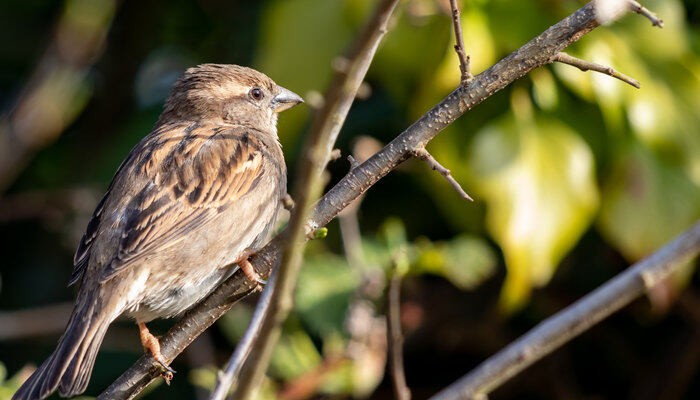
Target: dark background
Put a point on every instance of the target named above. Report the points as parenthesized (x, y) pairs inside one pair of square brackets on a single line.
[(95, 74)]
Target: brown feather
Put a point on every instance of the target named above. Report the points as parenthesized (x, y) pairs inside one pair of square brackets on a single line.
[(185, 190)]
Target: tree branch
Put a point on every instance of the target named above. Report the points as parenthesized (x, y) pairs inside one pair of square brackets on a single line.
[(641, 10), (560, 328), (535, 53), (318, 150), (227, 378), (435, 166), (464, 59), (395, 338), (584, 66)]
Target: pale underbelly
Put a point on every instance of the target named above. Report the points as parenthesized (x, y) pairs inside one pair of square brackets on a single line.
[(173, 301)]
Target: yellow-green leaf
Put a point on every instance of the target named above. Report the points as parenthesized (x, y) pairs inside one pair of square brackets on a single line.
[(537, 179)]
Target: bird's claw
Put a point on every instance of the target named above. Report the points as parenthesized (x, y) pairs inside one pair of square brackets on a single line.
[(250, 273), (166, 371), (151, 345)]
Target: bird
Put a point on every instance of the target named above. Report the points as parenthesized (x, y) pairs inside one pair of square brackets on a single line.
[(192, 201)]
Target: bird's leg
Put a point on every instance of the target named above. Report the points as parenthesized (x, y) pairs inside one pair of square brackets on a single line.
[(247, 268), (150, 344)]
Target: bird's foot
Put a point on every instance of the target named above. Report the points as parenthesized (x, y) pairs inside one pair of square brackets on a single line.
[(251, 273), (151, 345), (288, 202), (247, 268)]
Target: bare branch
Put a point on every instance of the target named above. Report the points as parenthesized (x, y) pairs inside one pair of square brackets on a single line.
[(464, 59), (560, 328), (395, 338), (535, 53), (641, 10), (318, 151), (584, 65), (227, 378), (435, 166)]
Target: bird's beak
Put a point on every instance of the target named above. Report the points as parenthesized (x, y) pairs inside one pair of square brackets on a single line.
[(285, 100)]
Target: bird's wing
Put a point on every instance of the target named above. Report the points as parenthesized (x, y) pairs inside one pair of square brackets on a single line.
[(82, 255), (195, 173)]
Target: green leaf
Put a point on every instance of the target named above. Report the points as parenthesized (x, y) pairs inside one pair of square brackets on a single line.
[(469, 261), (466, 261), (411, 33), (646, 203), (671, 43), (295, 352), (326, 284), (537, 179)]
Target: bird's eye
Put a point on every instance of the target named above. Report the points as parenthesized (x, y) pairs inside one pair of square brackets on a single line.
[(256, 93)]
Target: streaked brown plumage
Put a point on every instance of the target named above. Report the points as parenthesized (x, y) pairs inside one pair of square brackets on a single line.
[(194, 197)]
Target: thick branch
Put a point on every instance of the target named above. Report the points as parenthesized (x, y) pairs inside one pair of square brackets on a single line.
[(464, 59), (584, 66), (535, 53), (575, 319)]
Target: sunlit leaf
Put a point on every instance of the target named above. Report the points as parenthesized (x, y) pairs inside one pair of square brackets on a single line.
[(479, 45), (537, 179), (544, 88)]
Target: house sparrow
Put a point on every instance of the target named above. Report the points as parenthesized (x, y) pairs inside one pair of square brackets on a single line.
[(191, 202)]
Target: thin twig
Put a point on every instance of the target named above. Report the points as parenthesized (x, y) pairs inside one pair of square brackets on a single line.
[(435, 166), (317, 150), (641, 10), (535, 53), (560, 328), (352, 161), (227, 378), (395, 338), (464, 59), (584, 65)]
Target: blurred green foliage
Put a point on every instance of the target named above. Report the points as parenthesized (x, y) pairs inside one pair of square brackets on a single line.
[(570, 170)]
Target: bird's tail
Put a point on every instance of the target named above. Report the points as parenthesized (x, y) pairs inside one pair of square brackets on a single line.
[(69, 367)]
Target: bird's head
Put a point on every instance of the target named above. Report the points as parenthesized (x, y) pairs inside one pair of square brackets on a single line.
[(228, 94)]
